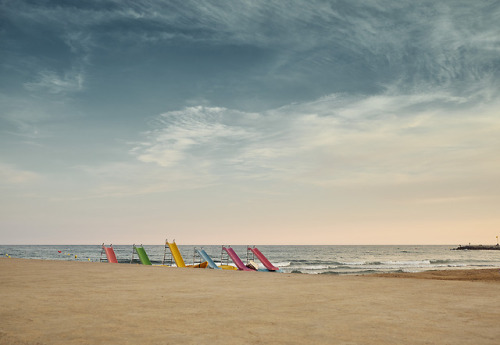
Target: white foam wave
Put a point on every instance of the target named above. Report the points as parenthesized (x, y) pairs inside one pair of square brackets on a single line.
[(353, 263), (451, 265), (407, 263), (312, 267), (283, 264)]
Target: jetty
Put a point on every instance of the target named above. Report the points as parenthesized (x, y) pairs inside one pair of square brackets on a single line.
[(478, 247)]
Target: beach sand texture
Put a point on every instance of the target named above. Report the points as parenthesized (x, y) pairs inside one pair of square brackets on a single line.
[(64, 302)]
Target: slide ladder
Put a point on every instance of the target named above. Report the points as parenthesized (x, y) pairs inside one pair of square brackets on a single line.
[(143, 257), (267, 264), (174, 253), (203, 254), (235, 258), (110, 254)]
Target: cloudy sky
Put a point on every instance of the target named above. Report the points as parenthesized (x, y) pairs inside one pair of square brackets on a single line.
[(249, 122)]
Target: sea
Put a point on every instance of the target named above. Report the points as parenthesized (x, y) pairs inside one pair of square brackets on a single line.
[(335, 259)]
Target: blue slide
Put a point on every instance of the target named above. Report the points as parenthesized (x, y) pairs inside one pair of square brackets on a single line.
[(204, 255)]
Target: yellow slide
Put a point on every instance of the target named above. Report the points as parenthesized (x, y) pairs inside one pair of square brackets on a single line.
[(179, 261), (228, 267)]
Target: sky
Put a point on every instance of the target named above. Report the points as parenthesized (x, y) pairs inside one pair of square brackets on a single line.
[(249, 122)]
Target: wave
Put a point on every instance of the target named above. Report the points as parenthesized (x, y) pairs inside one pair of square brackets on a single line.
[(312, 267), (484, 265), (451, 265), (283, 264), (440, 261), (381, 263), (353, 267), (357, 272), (407, 263), (351, 263)]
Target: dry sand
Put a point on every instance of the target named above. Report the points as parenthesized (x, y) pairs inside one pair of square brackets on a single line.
[(63, 302)]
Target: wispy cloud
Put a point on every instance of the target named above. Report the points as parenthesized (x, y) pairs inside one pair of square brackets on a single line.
[(337, 47), (12, 176), (52, 82), (33, 118), (389, 138), (195, 130)]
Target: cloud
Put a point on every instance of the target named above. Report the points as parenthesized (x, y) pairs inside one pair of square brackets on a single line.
[(336, 140), (33, 118), (52, 82), (315, 47), (11, 176), (399, 83)]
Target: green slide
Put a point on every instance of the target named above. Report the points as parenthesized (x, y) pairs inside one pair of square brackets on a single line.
[(142, 255)]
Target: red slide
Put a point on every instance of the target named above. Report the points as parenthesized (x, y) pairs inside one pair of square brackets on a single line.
[(264, 260), (236, 259), (110, 254)]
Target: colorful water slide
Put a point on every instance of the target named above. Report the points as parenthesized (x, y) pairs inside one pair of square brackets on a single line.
[(267, 264), (143, 257), (179, 261), (228, 267), (236, 259), (110, 254), (204, 264), (203, 254)]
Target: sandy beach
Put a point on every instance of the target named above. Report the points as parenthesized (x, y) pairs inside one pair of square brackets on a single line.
[(64, 302)]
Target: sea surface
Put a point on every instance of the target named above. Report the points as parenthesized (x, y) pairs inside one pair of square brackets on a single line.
[(290, 259)]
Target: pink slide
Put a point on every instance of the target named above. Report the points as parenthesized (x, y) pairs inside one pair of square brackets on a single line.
[(110, 254), (236, 259), (264, 260)]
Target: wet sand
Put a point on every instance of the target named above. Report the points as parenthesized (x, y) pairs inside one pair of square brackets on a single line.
[(67, 302)]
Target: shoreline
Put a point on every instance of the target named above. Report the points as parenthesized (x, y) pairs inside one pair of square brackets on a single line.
[(462, 274), (470, 274), (71, 302)]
